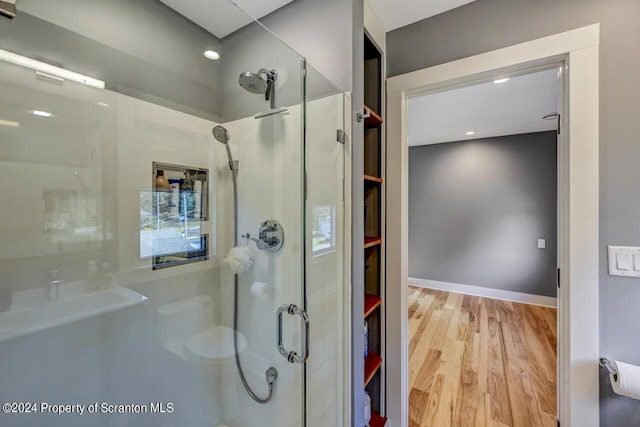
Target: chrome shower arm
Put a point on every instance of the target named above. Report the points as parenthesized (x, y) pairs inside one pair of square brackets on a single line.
[(269, 95), (264, 71)]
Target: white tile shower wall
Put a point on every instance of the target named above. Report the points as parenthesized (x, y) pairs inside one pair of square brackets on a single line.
[(270, 183), (148, 133), (269, 187), (50, 185), (26, 184)]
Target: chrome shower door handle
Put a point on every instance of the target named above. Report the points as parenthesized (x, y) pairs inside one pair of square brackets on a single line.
[(292, 356)]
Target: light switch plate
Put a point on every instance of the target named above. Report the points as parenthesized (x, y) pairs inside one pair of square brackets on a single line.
[(542, 243), (624, 261)]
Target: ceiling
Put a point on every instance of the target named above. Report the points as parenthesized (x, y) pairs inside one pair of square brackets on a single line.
[(489, 109), (221, 17), (398, 13)]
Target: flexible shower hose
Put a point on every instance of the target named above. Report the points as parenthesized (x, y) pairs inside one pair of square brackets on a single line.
[(235, 344), (271, 373)]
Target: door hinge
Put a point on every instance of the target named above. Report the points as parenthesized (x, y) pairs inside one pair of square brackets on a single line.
[(559, 121), (306, 184), (341, 136), (558, 278)]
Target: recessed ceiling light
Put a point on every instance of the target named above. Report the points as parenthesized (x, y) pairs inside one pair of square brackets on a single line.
[(103, 104), (42, 113), (211, 54), (501, 80), (470, 133), (9, 123)]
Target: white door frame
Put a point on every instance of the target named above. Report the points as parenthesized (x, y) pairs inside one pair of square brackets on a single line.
[(578, 322)]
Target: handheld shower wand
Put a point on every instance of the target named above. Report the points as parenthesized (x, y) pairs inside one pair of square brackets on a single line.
[(221, 134)]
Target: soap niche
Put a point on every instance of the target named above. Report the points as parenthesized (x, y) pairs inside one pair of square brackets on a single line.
[(173, 216)]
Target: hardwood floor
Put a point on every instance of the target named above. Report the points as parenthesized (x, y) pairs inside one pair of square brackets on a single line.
[(476, 362)]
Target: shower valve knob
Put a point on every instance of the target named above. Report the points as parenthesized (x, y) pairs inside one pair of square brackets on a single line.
[(265, 243), (270, 236)]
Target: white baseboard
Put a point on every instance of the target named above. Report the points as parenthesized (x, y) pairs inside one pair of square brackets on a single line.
[(485, 292)]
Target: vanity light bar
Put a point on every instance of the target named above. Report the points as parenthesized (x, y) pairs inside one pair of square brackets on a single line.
[(43, 67)]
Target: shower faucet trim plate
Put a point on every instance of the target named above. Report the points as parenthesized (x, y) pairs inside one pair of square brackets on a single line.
[(270, 236)]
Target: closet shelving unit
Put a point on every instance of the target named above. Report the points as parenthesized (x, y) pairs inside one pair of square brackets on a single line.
[(374, 230)]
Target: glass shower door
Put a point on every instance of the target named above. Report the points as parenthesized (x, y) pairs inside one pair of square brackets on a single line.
[(267, 306), (326, 258)]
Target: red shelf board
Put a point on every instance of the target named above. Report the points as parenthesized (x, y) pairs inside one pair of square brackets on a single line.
[(372, 178), (371, 365), (371, 302), (374, 119), (377, 420), (371, 241)]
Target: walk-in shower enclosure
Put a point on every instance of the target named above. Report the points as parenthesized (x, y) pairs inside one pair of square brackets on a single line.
[(118, 285)]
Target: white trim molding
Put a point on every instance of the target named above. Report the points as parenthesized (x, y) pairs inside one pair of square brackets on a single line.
[(374, 28), (577, 52), (479, 291)]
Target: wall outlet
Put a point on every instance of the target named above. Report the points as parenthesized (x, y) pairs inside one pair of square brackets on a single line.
[(624, 261)]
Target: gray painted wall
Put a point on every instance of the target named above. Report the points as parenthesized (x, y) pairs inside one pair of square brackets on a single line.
[(477, 208), (249, 49), (157, 58), (321, 31), (307, 28), (486, 25)]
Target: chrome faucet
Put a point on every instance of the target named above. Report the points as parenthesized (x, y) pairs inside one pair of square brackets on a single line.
[(54, 283), (270, 236)]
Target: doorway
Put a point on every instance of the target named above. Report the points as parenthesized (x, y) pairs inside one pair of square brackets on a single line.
[(483, 253), (577, 53)]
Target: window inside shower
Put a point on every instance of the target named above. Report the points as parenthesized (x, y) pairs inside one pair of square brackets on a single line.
[(172, 220), (324, 229)]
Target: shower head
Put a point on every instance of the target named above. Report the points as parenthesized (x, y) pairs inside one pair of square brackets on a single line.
[(221, 134), (253, 82), (256, 83), (261, 82)]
